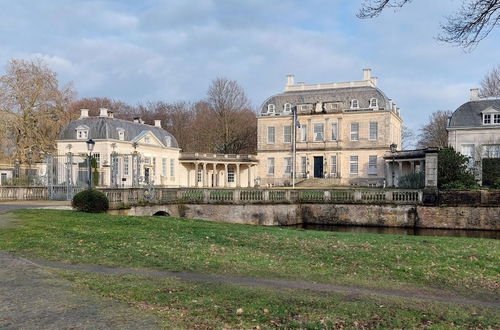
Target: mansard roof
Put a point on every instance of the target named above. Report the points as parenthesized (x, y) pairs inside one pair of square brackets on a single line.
[(469, 114), (334, 95), (108, 128)]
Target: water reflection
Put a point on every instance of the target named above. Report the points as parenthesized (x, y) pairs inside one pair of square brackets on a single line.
[(495, 234)]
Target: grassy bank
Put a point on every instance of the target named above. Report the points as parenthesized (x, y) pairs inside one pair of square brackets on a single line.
[(468, 266), (206, 305)]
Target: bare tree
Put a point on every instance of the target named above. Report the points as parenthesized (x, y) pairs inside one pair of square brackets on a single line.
[(490, 85), (407, 138), (93, 104), (230, 105), (33, 106), (434, 134), (466, 28)]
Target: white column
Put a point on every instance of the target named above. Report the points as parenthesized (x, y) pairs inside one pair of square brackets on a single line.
[(225, 175), (249, 175), (204, 175), (196, 174), (237, 174)]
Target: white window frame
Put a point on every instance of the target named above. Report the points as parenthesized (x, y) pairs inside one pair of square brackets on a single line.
[(126, 164), (335, 131), (303, 132), (353, 165), (230, 175), (269, 130), (373, 102), (168, 141), (164, 166), (121, 133), (82, 132), (496, 118), (97, 156), (333, 166), (287, 136), (270, 166), (354, 136), (319, 135), (373, 133), (287, 165), (469, 151), (271, 108), (486, 118), (372, 165), (287, 108), (303, 165), (354, 104), (172, 168)]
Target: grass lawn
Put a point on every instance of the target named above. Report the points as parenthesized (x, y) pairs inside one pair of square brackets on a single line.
[(468, 266), (206, 305)]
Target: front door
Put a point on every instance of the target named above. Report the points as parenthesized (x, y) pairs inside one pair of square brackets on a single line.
[(318, 167), (147, 175)]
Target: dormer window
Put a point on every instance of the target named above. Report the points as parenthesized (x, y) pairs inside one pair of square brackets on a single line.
[(82, 132), (271, 108), (373, 103), (491, 117), (121, 134), (168, 141), (287, 107), (354, 104)]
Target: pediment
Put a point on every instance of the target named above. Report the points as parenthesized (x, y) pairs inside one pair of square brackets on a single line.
[(490, 110), (147, 137)]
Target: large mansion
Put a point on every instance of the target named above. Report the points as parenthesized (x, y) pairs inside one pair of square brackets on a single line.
[(342, 132)]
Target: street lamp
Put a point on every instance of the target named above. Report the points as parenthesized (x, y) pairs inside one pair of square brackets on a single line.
[(90, 148), (30, 157), (393, 147)]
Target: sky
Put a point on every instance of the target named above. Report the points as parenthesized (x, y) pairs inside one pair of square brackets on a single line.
[(170, 50)]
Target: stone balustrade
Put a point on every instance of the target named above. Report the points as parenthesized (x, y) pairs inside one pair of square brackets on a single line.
[(134, 196), (22, 193)]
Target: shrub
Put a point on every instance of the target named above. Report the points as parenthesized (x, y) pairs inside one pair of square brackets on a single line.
[(412, 181), (90, 200), (453, 172), (491, 172)]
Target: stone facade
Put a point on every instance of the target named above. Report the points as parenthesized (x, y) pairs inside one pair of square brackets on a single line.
[(342, 132)]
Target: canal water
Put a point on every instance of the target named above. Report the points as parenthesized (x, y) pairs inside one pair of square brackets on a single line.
[(494, 234)]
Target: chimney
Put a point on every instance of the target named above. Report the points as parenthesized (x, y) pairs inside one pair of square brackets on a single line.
[(367, 74), (84, 113), (103, 112), (474, 94), (290, 80), (158, 123), (111, 114), (136, 119)]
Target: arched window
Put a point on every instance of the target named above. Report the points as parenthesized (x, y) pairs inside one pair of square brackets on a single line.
[(373, 103), (271, 108), (287, 107), (354, 104), (82, 132)]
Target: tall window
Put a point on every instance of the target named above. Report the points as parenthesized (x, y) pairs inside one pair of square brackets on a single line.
[(373, 130), (373, 103), (354, 104), (319, 132), (333, 170), (287, 107), (270, 165), (303, 132), (126, 165), (271, 136), (303, 165), (287, 134), (491, 151), (230, 174), (335, 131), (496, 118), (97, 157), (271, 108), (164, 166), (468, 150), (372, 164), (354, 132), (172, 168), (199, 174), (121, 134), (353, 165), (287, 165)]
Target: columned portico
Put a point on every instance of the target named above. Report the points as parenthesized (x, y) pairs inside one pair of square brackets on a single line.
[(219, 170)]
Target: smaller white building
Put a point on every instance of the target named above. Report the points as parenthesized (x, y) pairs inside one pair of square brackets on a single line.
[(474, 130)]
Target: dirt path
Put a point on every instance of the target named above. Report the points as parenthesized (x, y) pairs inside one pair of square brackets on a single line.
[(274, 284)]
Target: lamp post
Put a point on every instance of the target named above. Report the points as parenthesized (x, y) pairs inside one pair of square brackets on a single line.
[(393, 147), (90, 148), (30, 157)]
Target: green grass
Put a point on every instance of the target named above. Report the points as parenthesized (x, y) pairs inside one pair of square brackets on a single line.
[(468, 266), (202, 305)]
